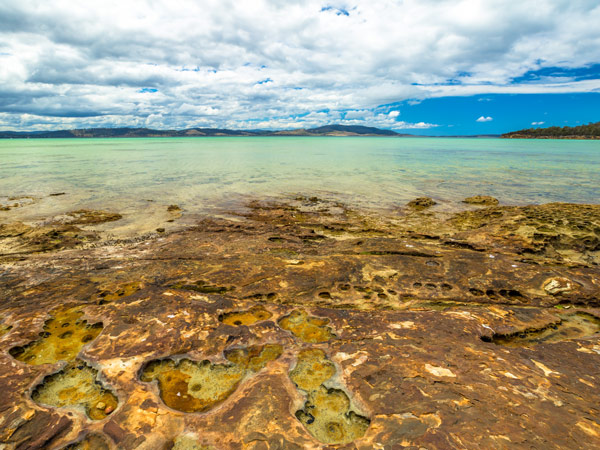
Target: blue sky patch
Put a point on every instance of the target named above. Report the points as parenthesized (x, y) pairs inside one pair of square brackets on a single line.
[(508, 112)]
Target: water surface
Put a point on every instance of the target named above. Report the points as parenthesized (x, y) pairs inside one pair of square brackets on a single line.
[(201, 174)]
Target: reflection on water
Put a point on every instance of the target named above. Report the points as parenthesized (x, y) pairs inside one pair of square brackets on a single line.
[(201, 174)]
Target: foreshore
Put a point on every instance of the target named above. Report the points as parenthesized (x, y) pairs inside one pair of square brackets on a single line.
[(302, 323)]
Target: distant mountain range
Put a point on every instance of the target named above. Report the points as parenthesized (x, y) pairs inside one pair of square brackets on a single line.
[(589, 131), (329, 130)]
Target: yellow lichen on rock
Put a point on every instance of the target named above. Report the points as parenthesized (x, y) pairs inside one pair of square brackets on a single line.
[(327, 413), (92, 441), (64, 335), (307, 328), (76, 385), (123, 290)]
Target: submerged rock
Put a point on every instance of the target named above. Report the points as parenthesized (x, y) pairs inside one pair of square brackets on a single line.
[(421, 203), (484, 200)]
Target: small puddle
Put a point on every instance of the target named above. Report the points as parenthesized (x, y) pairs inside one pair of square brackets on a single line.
[(76, 385), (307, 328), (327, 413), (197, 386), (249, 317), (64, 335), (578, 325)]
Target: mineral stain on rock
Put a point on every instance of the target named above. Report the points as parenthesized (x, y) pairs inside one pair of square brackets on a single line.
[(192, 386), (327, 413), (64, 335), (76, 386), (93, 441), (568, 326), (248, 317), (307, 328)]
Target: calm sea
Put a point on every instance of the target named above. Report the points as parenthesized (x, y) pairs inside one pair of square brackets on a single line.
[(201, 174)]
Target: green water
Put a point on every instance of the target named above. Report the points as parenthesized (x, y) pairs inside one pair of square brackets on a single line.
[(203, 173)]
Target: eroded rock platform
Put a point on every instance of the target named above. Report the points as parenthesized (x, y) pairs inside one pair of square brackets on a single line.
[(306, 324)]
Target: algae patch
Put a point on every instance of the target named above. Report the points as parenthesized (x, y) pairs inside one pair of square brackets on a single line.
[(192, 386), (307, 328), (64, 335), (124, 290), (92, 441), (249, 317), (327, 413), (188, 443), (76, 386), (4, 328), (569, 326)]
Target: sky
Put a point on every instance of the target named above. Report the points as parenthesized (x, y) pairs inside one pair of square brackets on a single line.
[(433, 67)]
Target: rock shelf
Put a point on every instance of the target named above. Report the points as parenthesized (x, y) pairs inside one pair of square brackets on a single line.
[(305, 324)]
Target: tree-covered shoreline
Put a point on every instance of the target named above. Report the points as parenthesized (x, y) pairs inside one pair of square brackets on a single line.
[(589, 131)]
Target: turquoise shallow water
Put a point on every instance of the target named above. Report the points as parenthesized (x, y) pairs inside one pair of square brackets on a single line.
[(203, 173)]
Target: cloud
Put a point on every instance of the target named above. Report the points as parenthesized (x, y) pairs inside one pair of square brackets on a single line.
[(538, 123), (484, 119), (235, 63)]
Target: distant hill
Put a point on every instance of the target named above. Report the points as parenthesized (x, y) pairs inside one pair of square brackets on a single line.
[(329, 130), (589, 131)]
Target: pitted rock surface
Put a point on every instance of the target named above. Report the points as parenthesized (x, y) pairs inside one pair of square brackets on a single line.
[(438, 330)]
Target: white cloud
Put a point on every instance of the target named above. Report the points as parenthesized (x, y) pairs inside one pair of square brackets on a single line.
[(538, 123), (234, 63), (484, 119)]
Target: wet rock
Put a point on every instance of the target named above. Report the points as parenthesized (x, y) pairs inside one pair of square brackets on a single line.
[(421, 203), (483, 200)]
